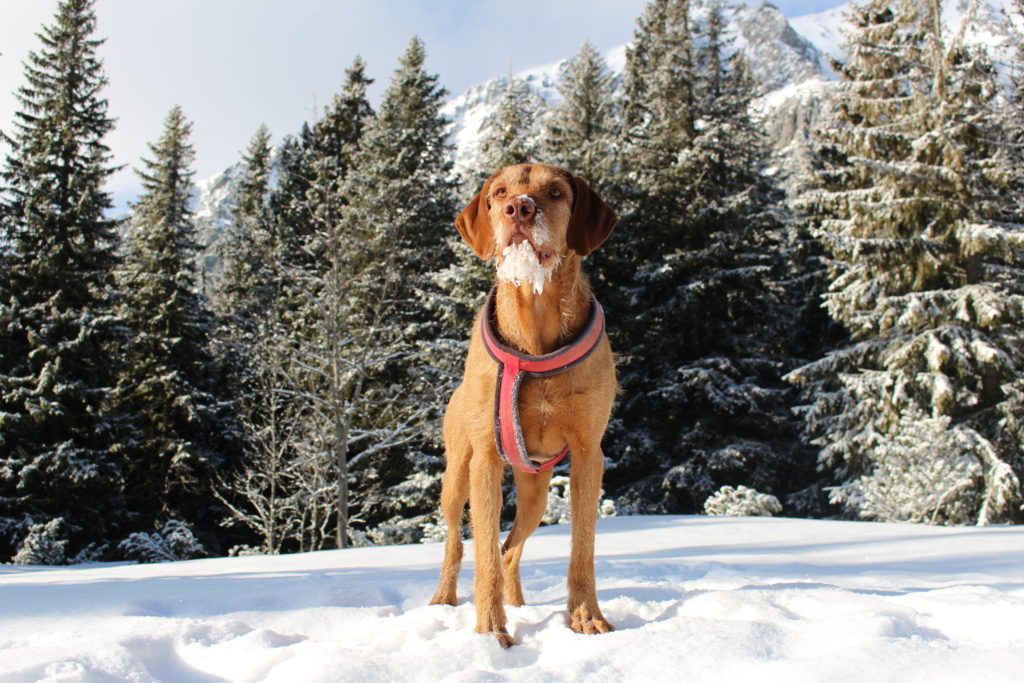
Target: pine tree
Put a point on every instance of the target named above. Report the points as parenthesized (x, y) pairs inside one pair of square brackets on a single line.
[(917, 418), (58, 331), (310, 170), (336, 136), (658, 116), (169, 383), (43, 544), (699, 270), (507, 136), (250, 277), (402, 198), (288, 208), (1015, 104), (580, 133), (656, 131)]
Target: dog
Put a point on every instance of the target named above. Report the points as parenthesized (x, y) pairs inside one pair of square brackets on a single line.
[(537, 222)]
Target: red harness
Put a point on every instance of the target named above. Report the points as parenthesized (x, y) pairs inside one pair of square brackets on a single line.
[(512, 365)]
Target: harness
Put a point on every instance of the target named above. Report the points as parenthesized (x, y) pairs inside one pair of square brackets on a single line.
[(513, 365)]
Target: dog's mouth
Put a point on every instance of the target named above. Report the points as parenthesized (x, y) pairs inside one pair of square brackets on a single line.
[(521, 262), (518, 236)]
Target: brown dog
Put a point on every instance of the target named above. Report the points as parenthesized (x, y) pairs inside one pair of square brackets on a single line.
[(537, 222)]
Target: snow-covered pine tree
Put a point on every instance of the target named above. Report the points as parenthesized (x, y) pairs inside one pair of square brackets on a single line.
[(173, 542), (58, 331), (43, 544), (508, 136), (748, 284), (658, 111), (169, 384), (402, 198), (1015, 104), (656, 129), (288, 196), (580, 132), (249, 279), (330, 151), (918, 417), (335, 142), (698, 270), (657, 78)]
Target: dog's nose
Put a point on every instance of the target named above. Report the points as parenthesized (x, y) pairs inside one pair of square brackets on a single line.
[(520, 208)]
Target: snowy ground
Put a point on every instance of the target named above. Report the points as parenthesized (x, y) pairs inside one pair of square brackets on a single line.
[(694, 599)]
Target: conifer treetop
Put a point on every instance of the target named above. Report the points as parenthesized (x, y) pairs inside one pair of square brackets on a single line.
[(54, 173), (167, 176), (580, 133), (409, 120)]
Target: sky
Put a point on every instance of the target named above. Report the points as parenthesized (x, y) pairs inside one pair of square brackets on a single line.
[(235, 64)]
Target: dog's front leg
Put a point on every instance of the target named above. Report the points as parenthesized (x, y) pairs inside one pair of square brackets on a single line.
[(585, 484), (485, 512)]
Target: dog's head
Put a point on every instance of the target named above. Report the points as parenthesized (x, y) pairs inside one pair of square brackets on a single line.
[(534, 212)]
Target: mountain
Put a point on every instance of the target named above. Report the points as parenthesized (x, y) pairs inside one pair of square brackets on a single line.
[(990, 26), (694, 599), (213, 212), (780, 58)]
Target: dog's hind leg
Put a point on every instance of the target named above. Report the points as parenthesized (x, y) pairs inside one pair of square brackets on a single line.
[(531, 501), (454, 494)]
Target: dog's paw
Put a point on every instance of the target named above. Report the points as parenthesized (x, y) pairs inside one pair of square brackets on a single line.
[(493, 624), (504, 639), (444, 598), (584, 621)]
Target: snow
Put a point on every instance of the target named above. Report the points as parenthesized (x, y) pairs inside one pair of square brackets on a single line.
[(519, 263), (694, 599), (804, 92), (824, 30)]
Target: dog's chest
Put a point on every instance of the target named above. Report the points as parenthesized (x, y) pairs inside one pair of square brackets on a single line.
[(545, 414)]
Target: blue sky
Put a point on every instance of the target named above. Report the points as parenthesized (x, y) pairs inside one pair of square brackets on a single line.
[(234, 64)]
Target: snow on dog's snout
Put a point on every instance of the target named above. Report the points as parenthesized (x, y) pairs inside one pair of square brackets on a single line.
[(541, 233), (519, 263)]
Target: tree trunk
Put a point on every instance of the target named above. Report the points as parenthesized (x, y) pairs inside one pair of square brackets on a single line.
[(341, 467)]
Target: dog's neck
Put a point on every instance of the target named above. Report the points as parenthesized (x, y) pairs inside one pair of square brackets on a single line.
[(537, 324)]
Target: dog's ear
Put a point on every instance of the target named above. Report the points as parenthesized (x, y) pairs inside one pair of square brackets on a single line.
[(474, 224), (591, 222)]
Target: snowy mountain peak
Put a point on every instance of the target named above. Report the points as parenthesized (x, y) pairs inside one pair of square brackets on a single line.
[(824, 30), (990, 25), (777, 54)]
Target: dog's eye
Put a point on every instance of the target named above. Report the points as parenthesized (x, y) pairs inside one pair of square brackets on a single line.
[(555, 193), (500, 193)]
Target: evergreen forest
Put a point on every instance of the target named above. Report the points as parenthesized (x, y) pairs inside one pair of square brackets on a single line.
[(849, 349)]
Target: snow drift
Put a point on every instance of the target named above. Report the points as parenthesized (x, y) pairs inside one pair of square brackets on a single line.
[(694, 599)]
